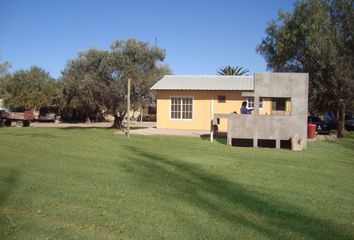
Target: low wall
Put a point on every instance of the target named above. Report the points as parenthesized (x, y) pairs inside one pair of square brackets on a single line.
[(266, 127)]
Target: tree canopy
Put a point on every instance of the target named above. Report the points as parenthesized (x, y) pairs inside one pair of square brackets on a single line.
[(317, 37), (28, 89), (96, 81), (4, 69), (235, 71), (85, 85), (138, 61)]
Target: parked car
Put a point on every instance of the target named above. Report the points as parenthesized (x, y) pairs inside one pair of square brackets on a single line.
[(321, 126), (48, 114), (48, 117), (3, 116), (329, 119), (349, 122)]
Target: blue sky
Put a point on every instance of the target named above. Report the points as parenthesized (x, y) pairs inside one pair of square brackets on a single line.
[(199, 36)]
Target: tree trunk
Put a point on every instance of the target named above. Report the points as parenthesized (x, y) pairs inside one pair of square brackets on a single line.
[(88, 119), (340, 120), (118, 121)]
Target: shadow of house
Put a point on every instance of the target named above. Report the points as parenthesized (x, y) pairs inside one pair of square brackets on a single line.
[(230, 201)]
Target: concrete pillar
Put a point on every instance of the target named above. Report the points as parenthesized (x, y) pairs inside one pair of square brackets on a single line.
[(212, 120), (229, 140), (277, 143), (256, 105), (256, 112), (255, 142)]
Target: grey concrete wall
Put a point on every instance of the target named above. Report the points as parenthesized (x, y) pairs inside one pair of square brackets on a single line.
[(255, 126)]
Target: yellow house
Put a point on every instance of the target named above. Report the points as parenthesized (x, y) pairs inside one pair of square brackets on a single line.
[(190, 101)]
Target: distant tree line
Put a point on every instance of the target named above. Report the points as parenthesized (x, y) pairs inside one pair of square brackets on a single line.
[(28, 89), (92, 84)]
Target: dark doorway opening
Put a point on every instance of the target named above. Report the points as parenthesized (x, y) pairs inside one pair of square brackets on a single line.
[(285, 144), (242, 142), (266, 143)]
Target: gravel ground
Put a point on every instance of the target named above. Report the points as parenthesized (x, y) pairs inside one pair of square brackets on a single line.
[(170, 132), (144, 128), (98, 125)]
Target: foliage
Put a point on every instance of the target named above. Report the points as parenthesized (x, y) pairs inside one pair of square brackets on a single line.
[(96, 81), (317, 37), (235, 71), (136, 60), (4, 69), (28, 89), (97, 185), (85, 85)]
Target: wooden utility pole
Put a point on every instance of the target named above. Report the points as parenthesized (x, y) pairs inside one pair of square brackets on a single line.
[(128, 109), (211, 120)]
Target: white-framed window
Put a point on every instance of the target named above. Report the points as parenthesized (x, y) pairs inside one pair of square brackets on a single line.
[(181, 107), (250, 102)]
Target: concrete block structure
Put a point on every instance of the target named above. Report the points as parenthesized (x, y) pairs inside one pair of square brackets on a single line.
[(279, 126)]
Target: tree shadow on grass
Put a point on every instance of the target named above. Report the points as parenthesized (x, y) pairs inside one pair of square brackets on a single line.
[(8, 182), (220, 138), (102, 128), (346, 142), (227, 200), (85, 128)]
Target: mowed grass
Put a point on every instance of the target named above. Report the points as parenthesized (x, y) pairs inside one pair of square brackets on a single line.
[(92, 184)]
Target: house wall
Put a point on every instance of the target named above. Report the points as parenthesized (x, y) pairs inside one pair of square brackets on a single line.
[(201, 108)]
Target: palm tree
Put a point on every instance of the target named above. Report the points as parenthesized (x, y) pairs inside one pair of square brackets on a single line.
[(234, 71)]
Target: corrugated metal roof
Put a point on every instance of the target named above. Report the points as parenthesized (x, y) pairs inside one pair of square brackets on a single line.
[(204, 82)]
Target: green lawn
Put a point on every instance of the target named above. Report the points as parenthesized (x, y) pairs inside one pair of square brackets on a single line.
[(92, 184)]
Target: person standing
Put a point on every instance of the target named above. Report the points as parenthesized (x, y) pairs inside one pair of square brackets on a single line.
[(244, 109)]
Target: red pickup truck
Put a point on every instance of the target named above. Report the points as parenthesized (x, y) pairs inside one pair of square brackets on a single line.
[(22, 119)]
